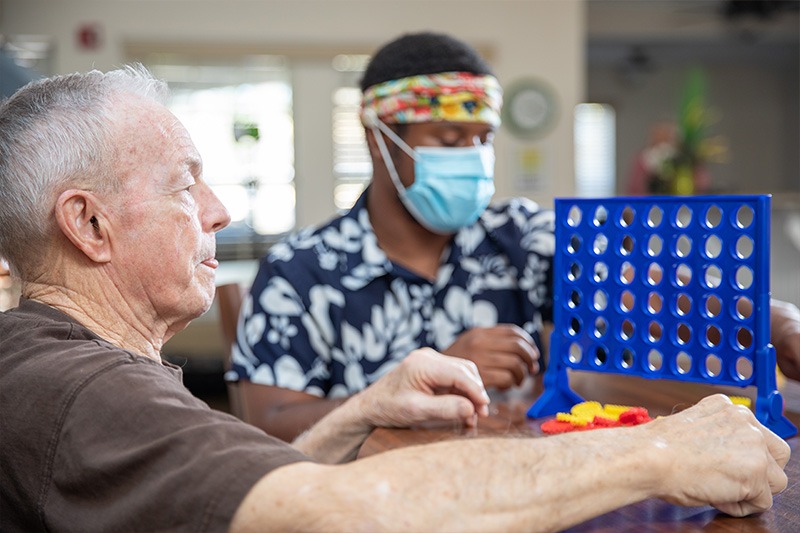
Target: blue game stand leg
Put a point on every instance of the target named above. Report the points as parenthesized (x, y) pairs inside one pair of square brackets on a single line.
[(769, 402), (557, 396)]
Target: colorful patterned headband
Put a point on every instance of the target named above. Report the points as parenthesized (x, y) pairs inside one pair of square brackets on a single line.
[(452, 96)]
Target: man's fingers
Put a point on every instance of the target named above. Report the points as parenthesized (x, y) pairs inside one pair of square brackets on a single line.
[(739, 509), (460, 376), (509, 363), (776, 478), (496, 378), (708, 405), (445, 407), (778, 448), (515, 340)]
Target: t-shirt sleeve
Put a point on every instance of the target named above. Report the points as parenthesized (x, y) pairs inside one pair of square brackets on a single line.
[(136, 448)]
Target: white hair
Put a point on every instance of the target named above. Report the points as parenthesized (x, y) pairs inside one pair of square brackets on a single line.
[(55, 135)]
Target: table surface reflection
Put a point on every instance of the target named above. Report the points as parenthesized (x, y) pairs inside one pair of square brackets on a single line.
[(660, 397)]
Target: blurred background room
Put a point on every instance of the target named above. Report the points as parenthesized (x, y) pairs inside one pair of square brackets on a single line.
[(596, 94)]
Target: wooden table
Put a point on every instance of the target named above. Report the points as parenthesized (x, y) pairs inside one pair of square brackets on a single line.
[(660, 397)]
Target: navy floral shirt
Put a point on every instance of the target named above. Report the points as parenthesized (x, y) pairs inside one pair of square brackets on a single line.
[(329, 313)]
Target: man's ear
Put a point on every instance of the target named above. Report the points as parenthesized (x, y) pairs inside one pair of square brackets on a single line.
[(81, 219)]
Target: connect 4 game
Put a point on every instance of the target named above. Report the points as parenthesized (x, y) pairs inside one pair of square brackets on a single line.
[(664, 288)]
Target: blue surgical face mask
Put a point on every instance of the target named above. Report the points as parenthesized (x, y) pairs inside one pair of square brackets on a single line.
[(452, 186)]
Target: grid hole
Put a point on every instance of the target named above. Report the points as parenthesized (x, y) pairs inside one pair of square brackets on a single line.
[(600, 216), (684, 246), (713, 336), (654, 360), (713, 306), (713, 365), (683, 305), (600, 244), (600, 356), (600, 300), (654, 303), (574, 299), (713, 216), (744, 216), (627, 216), (744, 277), (654, 246), (683, 333), (654, 274), (626, 301), (713, 277), (600, 327), (744, 307), (626, 273), (600, 272), (684, 363), (574, 244), (744, 338), (744, 247), (744, 368), (655, 216), (654, 331), (574, 271), (574, 216), (684, 217), (627, 245), (683, 275), (574, 326), (627, 358), (575, 353), (627, 330), (713, 247)]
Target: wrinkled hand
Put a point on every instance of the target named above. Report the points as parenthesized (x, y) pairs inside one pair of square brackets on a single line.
[(719, 454), (426, 386), (504, 354), (785, 337)]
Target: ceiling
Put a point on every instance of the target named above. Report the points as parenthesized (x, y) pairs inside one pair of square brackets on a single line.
[(674, 31)]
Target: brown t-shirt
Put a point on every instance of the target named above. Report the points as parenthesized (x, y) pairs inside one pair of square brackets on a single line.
[(96, 438)]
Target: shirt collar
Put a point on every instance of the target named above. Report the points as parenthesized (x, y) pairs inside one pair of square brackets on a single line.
[(375, 257)]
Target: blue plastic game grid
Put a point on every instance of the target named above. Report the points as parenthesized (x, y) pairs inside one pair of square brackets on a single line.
[(664, 288)]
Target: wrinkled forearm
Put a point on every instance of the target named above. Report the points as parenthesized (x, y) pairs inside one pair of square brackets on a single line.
[(482, 484), (337, 437)]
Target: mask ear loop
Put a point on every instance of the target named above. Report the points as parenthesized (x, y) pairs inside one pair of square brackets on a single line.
[(388, 161), (376, 125), (372, 120)]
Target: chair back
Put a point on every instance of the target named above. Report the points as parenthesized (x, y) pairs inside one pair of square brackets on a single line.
[(229, 301)]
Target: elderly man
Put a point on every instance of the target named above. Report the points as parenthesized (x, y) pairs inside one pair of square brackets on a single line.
[(107, 221)]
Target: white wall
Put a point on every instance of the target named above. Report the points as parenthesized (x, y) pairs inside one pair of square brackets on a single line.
[(525, 38)]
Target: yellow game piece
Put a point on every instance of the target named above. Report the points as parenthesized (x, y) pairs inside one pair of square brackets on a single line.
[(741, 400), (613, 409), (610, 415), (573, 419), (587, 408)]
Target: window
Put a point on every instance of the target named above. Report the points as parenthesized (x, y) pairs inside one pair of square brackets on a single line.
[(595, 150), (352, 166), (239, 114), (34, 52)]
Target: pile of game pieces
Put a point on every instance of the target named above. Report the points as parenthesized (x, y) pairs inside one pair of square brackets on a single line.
[(593, 415)]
